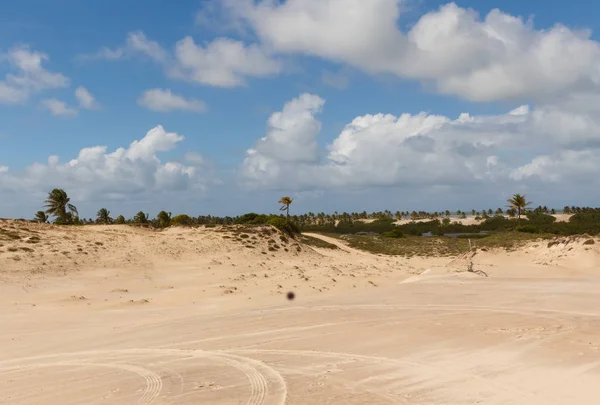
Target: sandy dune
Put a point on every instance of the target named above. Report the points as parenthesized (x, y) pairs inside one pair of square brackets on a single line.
[(200, 316)]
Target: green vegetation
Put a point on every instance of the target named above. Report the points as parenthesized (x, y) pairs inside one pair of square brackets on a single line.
[(533, 223), (58, 204), (519, 203), (164, 219), (516, 220), (103, 216), (319, 243), (438, 246), (41, 217), (182, 220)]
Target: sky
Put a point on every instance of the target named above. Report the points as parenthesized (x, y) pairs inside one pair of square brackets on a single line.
[(222, 107)]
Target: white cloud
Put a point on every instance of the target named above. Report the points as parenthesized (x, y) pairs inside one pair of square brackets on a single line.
[(290, 141), (85, 99), (424, 149), (222, 62), (136, 43), (195, 159), (163, 100), (98, 173), (481, 59), (29, 76), (3, 169), (562, 167), (57, 107)]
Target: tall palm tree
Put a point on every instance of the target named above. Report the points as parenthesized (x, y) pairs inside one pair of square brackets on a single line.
[(519, 203), (103, 216), (41, 217), (58, 204), (286, 201)]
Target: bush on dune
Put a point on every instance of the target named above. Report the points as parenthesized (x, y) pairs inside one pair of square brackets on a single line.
[(395, 233), (284, 226), (182, 220)]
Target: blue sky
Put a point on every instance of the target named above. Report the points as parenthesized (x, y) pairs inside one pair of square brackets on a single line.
[(295, 50)]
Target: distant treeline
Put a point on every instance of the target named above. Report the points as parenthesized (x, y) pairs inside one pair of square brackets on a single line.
[(533, 222)]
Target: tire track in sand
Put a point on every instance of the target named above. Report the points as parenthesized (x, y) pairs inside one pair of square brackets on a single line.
[(254, 370)]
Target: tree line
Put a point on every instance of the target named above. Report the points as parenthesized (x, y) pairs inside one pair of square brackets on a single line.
[(59, 208)]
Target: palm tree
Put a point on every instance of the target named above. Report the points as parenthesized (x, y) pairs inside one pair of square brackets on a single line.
[(103, 216), (518, 203), (140, 218), (164, 219), (41, 217), (286, 201), (58, 204), (120, 220)]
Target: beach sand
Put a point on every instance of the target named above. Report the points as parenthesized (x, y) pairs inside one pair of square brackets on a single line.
[(124, 315)]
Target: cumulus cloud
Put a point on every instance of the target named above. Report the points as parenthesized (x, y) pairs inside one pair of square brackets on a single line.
[(454, 49), (28, 76), (222, 62), (163, 100), (562, 167), (85, 99), (291, 140), (58, 108), (122, 173), (423, 149)]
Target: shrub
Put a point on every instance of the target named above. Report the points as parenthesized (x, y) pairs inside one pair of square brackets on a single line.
[(182, 220), (284, 226), (527, 229), (540, 218), (395, 233)]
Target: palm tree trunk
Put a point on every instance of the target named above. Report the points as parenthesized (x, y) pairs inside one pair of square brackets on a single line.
[(287, 213)]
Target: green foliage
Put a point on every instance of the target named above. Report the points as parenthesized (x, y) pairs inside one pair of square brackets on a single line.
[(585, 217), (164, 219), (394, 233), (103, 216), (140, 218), (309, 240), (120, 220), (58, 204), (527, 229), (246, 218), (41, 217), (284, 226), (538, 218), (252, 219), (182, 220)]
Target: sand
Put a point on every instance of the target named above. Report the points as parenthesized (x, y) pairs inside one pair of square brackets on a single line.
[(119, 315)]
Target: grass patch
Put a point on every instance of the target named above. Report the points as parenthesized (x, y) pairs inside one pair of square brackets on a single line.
[(315, 242), (439, 246)]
